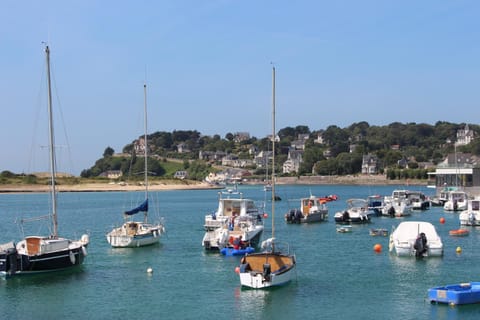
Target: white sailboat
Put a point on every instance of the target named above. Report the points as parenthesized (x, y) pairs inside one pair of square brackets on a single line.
[(36, 254), (131, 233), (274, 266)]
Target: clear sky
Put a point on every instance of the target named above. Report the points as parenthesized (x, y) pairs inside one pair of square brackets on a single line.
[(207, 64)]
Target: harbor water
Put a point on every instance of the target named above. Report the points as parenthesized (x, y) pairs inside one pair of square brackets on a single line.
[(339, 275)]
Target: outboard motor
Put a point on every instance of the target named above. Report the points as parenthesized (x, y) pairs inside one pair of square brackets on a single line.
[(298, 216), (345, 216), (391, 211), (267, 270)]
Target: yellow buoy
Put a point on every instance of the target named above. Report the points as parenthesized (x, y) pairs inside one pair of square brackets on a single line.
[(459, 250)]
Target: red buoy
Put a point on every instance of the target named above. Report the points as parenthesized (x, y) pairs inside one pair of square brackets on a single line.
[(442, 220), (377, 248), (237, 270)]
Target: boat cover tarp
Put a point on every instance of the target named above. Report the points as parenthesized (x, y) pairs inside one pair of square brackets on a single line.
[(141, 208)]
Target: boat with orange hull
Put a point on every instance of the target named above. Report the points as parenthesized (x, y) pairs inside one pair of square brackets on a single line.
[(459, 232)]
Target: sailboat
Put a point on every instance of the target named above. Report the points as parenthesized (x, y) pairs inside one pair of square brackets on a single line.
[(36, 254), (131, 233), (275, 265)]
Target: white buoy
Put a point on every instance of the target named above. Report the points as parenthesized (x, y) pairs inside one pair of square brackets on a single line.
[(149, 270)]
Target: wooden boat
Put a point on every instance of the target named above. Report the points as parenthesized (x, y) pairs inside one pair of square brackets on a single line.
[(275, 265), (462, 293), (459, 232)]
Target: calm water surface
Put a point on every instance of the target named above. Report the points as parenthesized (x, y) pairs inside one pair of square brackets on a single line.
[(339, 276)]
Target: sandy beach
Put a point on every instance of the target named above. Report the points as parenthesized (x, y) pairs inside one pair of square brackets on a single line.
[(192, 185)]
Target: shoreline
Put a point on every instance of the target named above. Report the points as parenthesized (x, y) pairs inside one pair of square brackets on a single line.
[(193, 185)]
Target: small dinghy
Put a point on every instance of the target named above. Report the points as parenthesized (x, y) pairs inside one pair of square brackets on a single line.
[(229, 251), (462, 293), (344, 229), (379, 232), (459, 232)]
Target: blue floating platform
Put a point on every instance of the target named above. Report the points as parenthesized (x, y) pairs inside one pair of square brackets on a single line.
[(462, 293), (236, 252)]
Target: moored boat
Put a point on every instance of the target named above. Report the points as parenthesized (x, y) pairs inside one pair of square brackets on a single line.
[(44, 253), (356, 212), (235, 216), (132, 234), (275, 265), (455, 294), (344, 229), (379, 232), (471, 216), (312, 209), (459, 232), (416, 238)]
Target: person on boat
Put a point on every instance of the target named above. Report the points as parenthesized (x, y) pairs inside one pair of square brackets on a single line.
[(420, 245), (238, 243)]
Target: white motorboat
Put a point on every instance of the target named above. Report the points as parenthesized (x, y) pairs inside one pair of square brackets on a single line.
[(356, 212), (312, 209), (471, 216), (418, 200), (407, 240), (132, 234), (397, 205), (234, 217), (275, 265), (457, 201), (39, 254)]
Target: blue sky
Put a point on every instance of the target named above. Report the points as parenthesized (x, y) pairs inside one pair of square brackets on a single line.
[(208, 68)]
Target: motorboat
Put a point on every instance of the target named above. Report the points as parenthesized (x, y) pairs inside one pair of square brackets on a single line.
[(457, 201), (455, 294), (375, 204), (418, 200), (397, 205), (312, 209), (131, 233), (471, 216), (356, 212), (235, 217), (416, 238)]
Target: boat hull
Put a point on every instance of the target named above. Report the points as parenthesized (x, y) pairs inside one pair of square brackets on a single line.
[(266, 269), (463, 293), (144, 235), (16, 261)]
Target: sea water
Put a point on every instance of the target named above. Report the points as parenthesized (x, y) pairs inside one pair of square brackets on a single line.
[(338, 276)]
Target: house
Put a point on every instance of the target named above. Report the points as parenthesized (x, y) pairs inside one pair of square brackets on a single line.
[(369, 164), (180, 174), (262, 159), (182, 148), (464, 136), (111, 174), (319, 139), (241, 136), (292, 164), (460, 170)]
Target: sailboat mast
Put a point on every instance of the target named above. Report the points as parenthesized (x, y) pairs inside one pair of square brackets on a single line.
[(52, 147), (273, 152), (145, 151)]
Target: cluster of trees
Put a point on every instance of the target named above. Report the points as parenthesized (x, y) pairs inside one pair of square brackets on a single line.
[(415, 142)]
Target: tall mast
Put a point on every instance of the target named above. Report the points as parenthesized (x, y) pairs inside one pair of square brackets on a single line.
[(52, 148), (145, 179), (273, 152)]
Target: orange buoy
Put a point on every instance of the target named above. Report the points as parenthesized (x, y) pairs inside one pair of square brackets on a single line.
[(377, 248), (237, 270), (442, 220)]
